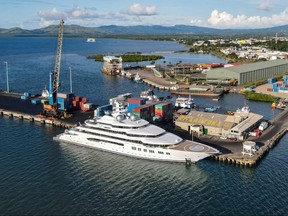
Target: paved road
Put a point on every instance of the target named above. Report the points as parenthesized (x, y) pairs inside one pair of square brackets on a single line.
[(227, 146)]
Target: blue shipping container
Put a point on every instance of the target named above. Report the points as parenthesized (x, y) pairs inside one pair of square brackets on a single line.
[(27, 94), (36, 101)]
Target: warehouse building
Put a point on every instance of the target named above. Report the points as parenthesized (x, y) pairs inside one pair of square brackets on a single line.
[(237, 125), (249, 72)]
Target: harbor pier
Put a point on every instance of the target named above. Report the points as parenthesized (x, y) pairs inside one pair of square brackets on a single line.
[(12, 106)]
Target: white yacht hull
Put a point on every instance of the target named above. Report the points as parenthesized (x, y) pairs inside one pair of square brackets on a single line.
[(169, 155)]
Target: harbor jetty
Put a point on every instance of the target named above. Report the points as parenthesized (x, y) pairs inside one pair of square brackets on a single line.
[(232, 152), (149, 78), (239, 158), (13, 107)]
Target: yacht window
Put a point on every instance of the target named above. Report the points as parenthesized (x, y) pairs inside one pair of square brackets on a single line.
[(133, 148), (139, 149), (167, 153), (160, 152), (145, 150), (151, 151)]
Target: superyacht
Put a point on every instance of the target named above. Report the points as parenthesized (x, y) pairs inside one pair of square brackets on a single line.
[(126, 134)]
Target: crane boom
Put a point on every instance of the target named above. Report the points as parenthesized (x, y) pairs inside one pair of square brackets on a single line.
[(56, 71)]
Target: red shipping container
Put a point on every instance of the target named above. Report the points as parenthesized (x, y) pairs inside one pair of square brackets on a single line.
[(84, 100), (139, 101)]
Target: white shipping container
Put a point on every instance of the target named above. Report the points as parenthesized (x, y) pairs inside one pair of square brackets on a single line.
[(62, 95), (88, 105)]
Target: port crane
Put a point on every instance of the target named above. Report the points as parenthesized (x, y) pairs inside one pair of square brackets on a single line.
[(51, 110)]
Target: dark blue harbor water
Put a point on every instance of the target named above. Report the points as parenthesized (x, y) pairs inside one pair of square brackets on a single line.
[(41, 177)]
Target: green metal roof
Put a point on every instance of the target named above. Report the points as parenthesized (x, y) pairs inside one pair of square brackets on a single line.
[(251, 66)]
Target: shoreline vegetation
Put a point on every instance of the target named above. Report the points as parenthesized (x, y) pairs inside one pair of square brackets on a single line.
[(259, 97), (130, 57)]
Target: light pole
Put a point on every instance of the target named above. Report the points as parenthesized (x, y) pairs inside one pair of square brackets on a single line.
[(192, 135), (70, 80), (7, 76)]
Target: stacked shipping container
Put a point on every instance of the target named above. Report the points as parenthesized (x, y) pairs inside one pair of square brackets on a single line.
[(25, 96), (280, 86), (135, 102), (64, 101), (81, 103), (155, 111)]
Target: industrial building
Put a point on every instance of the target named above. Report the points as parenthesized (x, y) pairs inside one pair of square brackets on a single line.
[(249, 72), (237, 125)]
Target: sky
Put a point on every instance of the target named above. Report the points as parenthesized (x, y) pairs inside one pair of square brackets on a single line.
[(222, 14)]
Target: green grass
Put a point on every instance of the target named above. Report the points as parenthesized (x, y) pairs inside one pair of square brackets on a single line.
[(259, 97)]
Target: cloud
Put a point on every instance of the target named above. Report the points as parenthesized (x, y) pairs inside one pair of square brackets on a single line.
[(196, 22), (44, 23), (51, 14), (74, 13), (226, 20), (80, 13), (139, 10), (265, 5)]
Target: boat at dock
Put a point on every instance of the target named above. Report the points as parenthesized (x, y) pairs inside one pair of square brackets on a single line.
[(184, 102), (127, 134), (138, 79), (149, 94)]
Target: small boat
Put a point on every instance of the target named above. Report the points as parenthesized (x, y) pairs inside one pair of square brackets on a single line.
[(183, 102), (45, 93), (210, 109), (91, 39), (149, 94), (138, 79), (129, 75), (174, 87)]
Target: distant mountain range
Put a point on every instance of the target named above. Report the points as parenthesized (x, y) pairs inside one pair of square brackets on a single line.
[(113, 30)]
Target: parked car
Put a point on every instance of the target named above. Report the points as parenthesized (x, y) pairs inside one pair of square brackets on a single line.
[(232, 138)]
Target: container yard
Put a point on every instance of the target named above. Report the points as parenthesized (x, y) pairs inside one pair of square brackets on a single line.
[(13, 105)]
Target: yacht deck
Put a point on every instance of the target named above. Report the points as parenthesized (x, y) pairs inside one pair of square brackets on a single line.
[(191, 146)]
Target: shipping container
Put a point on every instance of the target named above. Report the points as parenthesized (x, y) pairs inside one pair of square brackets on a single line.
[(140, 101), (100, 111), (27, 94), (36, 101), (272, 80), (131, 106)]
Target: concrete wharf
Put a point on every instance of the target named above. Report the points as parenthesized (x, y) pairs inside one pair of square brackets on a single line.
[(231, 151), (149, 78), (13, 107)]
